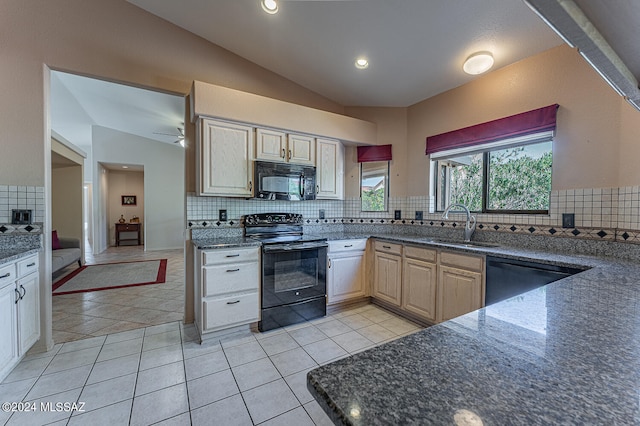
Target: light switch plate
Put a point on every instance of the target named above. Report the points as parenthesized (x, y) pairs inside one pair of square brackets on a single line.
[(397, 214), (419, 215), (222, 215), (320, 214)]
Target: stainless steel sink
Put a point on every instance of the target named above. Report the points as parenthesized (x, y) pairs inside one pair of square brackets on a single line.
[(465, 243)]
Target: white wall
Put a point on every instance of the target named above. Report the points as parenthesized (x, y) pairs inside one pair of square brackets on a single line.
[(163, 220)]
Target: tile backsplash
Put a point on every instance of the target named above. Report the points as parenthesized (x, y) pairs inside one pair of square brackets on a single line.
[(611, 208), (21, 197)]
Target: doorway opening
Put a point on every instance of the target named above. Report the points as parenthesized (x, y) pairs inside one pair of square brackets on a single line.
[(133, 172)]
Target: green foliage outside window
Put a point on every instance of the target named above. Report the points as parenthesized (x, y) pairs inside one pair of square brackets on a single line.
[(373, 199), (519, 179)]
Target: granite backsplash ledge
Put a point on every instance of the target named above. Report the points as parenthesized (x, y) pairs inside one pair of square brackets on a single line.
[(20, 241)]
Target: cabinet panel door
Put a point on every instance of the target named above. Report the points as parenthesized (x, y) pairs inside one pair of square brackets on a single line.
[(220, 313), (329, 169), (419, 288), (271, 145), (388, 278), (459, 292), (226, 152), (301, 150), (8, 338), (28, 312), (346, 277)]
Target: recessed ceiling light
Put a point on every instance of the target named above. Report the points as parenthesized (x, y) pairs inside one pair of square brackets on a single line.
[(125, 167), (269, 6), (478, 63), (362, 63)]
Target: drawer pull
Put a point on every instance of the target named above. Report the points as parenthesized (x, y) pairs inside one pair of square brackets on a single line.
[(387, 247), (233, 303), (7, 275), (329, 263), (233, 255), (31, 264), (349, 245), (233, 270)]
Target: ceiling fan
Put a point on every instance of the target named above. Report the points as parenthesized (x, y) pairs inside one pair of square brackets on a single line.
[(179, 135)]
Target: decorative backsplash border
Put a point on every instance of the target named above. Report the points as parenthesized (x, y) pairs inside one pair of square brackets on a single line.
[(33, 228), (582, 233)]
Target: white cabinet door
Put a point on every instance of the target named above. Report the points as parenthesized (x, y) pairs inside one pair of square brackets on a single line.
[(28, 311), (8, 338), (346, 276), (329, 169), (301, 150), (225, 159), (271, 145)]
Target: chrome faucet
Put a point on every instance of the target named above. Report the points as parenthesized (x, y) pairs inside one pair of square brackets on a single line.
[(469, 227)]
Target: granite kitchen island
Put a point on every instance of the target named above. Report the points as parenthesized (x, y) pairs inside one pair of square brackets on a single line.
[(566, 353)]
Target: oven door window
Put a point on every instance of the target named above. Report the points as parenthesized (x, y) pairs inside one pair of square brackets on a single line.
[(293, 276)]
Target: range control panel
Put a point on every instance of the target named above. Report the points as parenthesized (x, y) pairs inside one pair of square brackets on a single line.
[(259, 219)]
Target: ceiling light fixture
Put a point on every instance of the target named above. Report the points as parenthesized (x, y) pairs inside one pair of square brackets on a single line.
[(362, 63), (269, 6), (478, 63), (125, 167)]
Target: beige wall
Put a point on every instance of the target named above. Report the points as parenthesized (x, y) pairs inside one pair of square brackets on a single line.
[(66, 201), (114, 40), (392, 129), (596, 141)]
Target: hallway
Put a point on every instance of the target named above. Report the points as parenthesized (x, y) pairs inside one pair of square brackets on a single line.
[(97, 313)]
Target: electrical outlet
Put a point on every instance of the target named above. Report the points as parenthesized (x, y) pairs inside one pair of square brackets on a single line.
[(321, 214), (418, 214), (568, 220), (222, 215), (397, 214)]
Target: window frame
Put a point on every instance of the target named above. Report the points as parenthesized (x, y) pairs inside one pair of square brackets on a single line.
[(485, 150)]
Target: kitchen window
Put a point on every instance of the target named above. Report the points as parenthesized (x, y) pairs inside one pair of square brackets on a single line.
[(508, 176)]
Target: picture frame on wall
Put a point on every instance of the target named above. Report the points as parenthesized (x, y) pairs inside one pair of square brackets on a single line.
[(129, 200)]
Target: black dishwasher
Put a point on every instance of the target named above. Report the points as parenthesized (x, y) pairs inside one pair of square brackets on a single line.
[(508, 277)]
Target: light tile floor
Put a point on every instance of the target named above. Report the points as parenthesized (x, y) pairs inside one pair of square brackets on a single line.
[(97, 313), (160, 375)]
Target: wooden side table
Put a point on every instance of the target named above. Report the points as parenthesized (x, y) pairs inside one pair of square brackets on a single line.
[(128, 232)]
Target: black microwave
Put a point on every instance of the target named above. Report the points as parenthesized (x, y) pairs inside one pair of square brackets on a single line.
[(281, 181)]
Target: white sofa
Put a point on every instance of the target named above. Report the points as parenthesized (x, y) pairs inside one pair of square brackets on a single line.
[(65, 256)]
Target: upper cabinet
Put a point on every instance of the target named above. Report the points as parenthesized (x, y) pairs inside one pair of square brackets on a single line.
[(225, 158), (277, 146), (329, 169)]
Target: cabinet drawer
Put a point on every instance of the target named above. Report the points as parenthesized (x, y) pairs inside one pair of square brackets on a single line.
[(230, 311), (229, 278), (421, 253), (212, 257), (347, 245), (27, 266), (7, 274), (387, 247), (472, 263)]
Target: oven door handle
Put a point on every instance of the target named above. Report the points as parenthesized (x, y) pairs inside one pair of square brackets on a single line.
[(293, 247)]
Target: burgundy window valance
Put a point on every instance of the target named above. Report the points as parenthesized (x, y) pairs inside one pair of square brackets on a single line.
[(367, 154), (538, 120)]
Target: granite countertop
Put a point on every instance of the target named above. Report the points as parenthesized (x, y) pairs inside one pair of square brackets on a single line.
[(9, 255), (566, 353)]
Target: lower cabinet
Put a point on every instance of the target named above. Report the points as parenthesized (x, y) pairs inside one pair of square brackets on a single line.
[(429, 284), (419, 282), (387, 282), (460, 285), (19, 310), (227, 290), (346, 270)]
